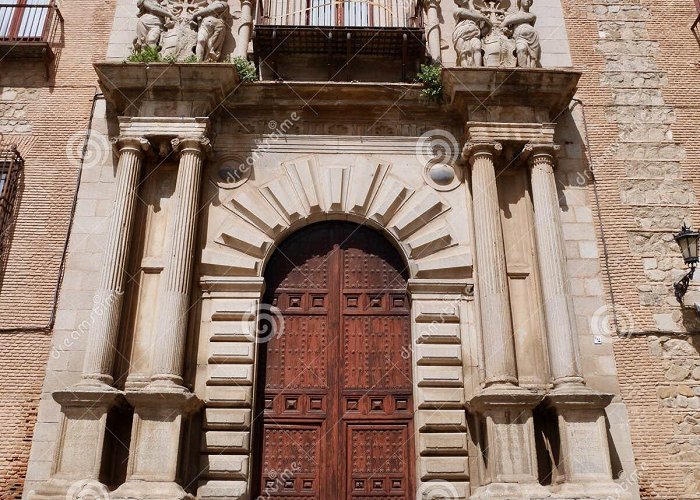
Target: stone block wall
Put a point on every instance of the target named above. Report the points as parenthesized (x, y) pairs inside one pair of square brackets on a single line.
[(640, 95), (48, 120)]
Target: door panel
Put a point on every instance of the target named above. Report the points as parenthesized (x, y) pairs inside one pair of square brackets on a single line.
[(337, 402)]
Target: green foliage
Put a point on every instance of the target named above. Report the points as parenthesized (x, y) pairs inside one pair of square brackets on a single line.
[(246, 69), (191, 59), (145, 54), (430, 77)]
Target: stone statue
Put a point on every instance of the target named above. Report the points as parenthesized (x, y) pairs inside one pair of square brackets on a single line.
[(527, 41), (149, 28), (211, 30), (183, 29), (471, 26)]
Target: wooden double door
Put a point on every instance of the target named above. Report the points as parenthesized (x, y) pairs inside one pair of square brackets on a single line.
[(335, 418)]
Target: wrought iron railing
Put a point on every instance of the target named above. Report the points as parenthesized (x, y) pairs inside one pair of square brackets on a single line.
[(11, 164), (30, 21), (340, 13)]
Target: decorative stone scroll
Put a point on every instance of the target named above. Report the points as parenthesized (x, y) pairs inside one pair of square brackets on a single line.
[(487, 34), (183, 29)]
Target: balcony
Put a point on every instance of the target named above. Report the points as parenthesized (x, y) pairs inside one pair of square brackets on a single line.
[(30, 29), (340, 40)]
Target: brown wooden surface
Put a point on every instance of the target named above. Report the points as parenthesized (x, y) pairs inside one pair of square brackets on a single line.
[(337, 418)]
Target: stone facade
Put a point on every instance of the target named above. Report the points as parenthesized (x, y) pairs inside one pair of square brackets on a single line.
[(539, 246)]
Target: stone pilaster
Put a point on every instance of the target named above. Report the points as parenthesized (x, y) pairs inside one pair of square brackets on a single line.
[(175, 294), (99, 357), (561, 331), (496, 324)]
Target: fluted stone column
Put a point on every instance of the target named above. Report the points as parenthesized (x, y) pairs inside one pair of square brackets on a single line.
[(160, 408), (433, 30), (584, 459), (85, 406), (561, 331), (174, 298), (505, 408), (99, 357), (496, 324)]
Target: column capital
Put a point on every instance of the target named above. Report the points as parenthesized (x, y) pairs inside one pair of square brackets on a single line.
[(135, 144), (197, 145), (473, 149), (534, 151)]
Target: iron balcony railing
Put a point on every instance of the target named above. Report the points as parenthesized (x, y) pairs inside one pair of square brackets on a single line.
[(11, 164), (30, 21), (340, 13)]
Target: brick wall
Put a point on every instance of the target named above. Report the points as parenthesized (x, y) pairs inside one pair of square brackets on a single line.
[(48, 119), (640, 90)]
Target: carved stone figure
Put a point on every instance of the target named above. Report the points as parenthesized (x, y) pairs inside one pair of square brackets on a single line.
[(183, 29), (499, 48), (211, 30), (527, 40), (471, 26), (149, 28)]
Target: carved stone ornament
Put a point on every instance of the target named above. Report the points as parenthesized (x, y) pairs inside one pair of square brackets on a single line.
[(183, 29), (489, 34)]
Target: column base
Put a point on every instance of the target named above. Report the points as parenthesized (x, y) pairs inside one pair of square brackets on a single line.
[(76, 468), (584, 456), (150, 490), (154, 452), (509, 439)]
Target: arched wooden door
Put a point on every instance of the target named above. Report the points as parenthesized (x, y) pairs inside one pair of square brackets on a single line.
[(337, 406)]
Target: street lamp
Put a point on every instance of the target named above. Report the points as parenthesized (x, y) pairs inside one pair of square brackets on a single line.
[(687, 240)]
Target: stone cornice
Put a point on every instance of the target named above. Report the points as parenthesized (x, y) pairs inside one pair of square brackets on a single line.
[(543, 92), (154, 88)]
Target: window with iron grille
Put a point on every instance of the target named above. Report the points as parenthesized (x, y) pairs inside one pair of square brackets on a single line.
[(11, 164)]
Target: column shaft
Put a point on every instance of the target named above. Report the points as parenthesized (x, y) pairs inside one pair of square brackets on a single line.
[(177, 280), (433, 27), (99, 357), (561, 332), (245, 29), (496, 323)]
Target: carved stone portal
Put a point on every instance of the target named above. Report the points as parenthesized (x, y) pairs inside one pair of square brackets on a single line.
[(487, 34), (183, 29)]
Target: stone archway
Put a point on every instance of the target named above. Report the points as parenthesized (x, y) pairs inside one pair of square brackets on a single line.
[(260, 214)]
